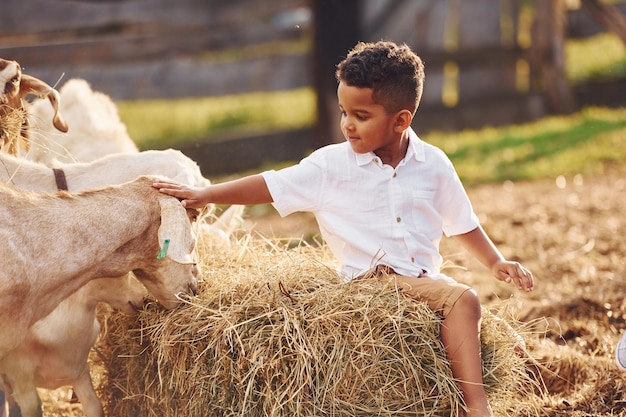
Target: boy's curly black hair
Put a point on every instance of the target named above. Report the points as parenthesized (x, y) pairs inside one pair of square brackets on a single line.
[(394, 73)]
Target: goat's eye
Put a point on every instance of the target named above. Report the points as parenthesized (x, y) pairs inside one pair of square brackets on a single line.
[(193, 214)]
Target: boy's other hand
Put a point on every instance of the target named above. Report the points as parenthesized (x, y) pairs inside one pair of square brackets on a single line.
[(514, 272)]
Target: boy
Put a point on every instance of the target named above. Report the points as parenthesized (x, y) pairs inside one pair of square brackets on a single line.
[(382, 200)]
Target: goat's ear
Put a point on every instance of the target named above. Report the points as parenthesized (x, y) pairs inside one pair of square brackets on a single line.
[(32, 85), (175, 228)]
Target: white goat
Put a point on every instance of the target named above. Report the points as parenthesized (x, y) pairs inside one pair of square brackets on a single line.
[(116, 169), (56, 349), (55, 244), (110, 169), (96, 128), (14, 87)]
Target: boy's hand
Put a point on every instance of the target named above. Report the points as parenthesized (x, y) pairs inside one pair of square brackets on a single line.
[(190, 197), (514, 272)]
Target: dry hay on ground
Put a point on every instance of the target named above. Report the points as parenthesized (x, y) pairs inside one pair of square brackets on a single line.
[(274, 333), (570, 233)]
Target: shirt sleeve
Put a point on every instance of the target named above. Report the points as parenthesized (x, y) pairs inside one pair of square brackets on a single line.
[(295, 188), (456, 210)]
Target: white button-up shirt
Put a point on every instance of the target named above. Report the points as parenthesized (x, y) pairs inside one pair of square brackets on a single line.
[(370, 213)]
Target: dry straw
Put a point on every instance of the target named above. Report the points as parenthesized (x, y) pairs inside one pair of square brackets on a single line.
[(274, 332), (11, 129)]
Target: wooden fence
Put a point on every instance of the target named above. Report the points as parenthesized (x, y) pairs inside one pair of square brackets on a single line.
[(477, 65)]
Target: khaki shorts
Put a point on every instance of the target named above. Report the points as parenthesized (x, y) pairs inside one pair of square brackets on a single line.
[(438, 291)]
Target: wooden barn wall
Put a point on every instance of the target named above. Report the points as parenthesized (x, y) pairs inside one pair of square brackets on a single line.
[(153, 48)]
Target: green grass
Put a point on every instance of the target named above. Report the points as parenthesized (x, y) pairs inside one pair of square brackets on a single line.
[(599, 57), (168, 123), (583, 143), (587, 142)]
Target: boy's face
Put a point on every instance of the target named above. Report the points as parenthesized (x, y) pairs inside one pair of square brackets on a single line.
[(364, 123)]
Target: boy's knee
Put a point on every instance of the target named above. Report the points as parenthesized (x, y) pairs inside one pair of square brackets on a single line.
[(469, 303)]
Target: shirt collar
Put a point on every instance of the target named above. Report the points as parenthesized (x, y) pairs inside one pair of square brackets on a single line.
[(364, 158), (416, 147), (415, 150)]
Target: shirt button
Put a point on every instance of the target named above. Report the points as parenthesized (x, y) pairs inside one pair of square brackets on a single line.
[(412, 260), (395, 174), (398, 219)]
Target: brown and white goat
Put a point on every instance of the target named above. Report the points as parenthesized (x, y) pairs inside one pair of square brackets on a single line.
[(55, 351), (58, 329), (14, 87), (55, 244)]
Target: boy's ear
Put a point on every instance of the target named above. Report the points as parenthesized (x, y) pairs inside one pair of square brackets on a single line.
[(403, 120)]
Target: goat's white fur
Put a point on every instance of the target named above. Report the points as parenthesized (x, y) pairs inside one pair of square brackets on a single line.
[(96, 128), (109, 169)]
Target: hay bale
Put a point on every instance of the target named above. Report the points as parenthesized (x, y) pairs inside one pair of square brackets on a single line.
[(11, 124), (273, 333)]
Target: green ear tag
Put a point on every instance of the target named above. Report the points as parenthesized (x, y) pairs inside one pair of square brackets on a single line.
[(166, 244)]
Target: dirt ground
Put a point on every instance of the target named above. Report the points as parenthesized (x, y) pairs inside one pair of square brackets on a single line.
[(570, 232)]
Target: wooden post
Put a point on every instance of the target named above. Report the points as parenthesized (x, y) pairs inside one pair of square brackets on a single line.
[(336, 32), (547, 55)]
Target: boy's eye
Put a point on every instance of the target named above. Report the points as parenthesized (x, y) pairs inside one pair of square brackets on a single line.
[(359, 117)]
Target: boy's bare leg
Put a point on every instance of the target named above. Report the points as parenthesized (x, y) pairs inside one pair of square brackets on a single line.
[(460, 333)]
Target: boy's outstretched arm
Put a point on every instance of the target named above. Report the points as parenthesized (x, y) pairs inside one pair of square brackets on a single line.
[(480, 246), (247, 190)]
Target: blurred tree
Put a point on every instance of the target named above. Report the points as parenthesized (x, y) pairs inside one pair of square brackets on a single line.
[(607, 16)]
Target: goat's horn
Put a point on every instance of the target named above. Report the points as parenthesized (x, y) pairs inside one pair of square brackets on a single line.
[(33, 85)]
